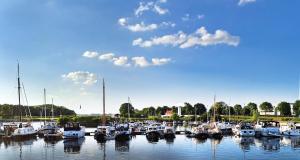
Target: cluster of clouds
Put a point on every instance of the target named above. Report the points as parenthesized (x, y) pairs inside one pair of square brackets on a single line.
[(142, 27), (151, 6), (81, 77), (201, 37), (124, 61)]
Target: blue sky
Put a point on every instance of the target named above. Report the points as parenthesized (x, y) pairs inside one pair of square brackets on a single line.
[(162, 52)]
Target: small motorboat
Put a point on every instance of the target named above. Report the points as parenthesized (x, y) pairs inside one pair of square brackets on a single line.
[(122, 132), (104, 133), (73, 130), (53, 134), (214, 131), (199, 132), (244, 130), (24, 131), (169, 132), (291, 129), (267, 129)]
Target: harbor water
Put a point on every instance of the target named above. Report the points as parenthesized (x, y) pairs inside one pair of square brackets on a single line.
[(139, 148)]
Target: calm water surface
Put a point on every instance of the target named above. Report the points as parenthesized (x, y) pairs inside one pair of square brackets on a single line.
[(140, 149)]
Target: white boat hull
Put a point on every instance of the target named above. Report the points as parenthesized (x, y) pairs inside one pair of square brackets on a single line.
[(72, 134)]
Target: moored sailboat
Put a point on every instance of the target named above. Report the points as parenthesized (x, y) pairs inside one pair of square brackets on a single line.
[(23, 130), (104, 132)]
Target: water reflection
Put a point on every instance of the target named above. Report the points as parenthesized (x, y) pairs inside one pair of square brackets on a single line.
[(245, 142), (18, 142), (180, 148), (122, 146), (270, 144), (73, 146)]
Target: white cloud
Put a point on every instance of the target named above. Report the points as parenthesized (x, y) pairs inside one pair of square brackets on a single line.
[(167, 24), (121, 61), (140, 61), (203, 38), (160, 10), (199, 38), (174, 39), (107, 56), (162, 1), (143, 7), (81, 77), (142, 27), (122, 21), (118, 61), (153, 6), (143, 62), (89, 54), (244, 2), (160, 61)]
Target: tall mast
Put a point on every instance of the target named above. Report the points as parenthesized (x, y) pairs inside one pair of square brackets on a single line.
[(214, 108), (52, 110), (45, 108), (128, 108), (19, 93), (103, 116)]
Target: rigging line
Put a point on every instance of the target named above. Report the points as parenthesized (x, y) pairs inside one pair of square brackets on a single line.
[(23, 101), (26, 101)]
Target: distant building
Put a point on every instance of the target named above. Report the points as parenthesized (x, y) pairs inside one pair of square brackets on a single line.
[(179, 111), (168, 113), (275, 112)]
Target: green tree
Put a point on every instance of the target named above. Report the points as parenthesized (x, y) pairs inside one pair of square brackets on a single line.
[(124, 110), (296, 108), (151, 111), (238, 109), (159, 111), (200, 108), (266, 107), (246, 111), (175, 117), (189, 109), (252, 106), (284, 108), (255, 115)]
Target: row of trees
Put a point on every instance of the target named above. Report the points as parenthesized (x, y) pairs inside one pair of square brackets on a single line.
[(8, 110), (221, 108)]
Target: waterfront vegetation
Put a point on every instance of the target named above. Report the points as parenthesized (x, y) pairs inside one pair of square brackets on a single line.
[(237, 112), (8, 111)]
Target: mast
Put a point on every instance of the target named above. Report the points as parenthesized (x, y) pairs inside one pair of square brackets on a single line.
[(45, 108), (19, 93), (52, 110), (214, 108), (103, 116), (128, 108)]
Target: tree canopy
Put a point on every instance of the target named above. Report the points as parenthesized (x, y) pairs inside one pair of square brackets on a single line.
[(124, 110), (284, 108), (266, 107)]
